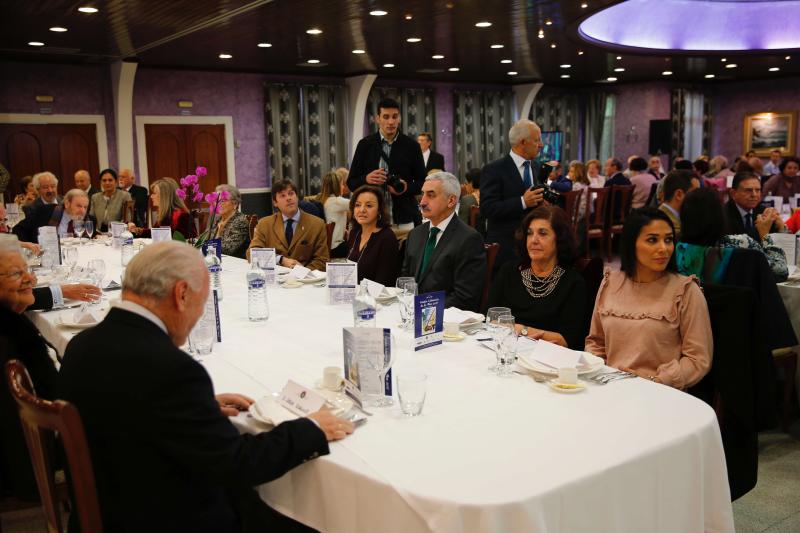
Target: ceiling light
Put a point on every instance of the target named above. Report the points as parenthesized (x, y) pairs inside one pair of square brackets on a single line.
[(774, 69), (378, 12), (313, 31), (312, 61), (413, 39), (35, 43), (724, 59), (787, 58), (225, 56), (58, 29), (580, 52), (565, 65), (437, 56), (454, 69), (553, 45), (409, 16), (612, 78), (709, 76), (584, 5), (619, 69), (497, 46), (512, 72), (265, 45), (87, 9), (667, 73), (359, 51), (731, 65), (388, 65), (504, 61), (483, 24), (548, 22), (619, 57), (565, 76), (541, 35)]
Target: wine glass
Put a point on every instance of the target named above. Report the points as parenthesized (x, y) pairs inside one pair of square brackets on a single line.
[(492, 325), (89, 227), (408, 288), (77, 226), (379, 365)]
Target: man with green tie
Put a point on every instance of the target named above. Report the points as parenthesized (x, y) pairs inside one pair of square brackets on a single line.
[(444, 254)]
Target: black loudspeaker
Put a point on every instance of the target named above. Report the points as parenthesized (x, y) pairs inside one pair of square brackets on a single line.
[(660, 136)]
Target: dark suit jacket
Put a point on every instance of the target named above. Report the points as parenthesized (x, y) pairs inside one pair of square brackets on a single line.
[(163, 453), (41, 215), (139, 196), (457, 265), (435, 160), (501, 189), (617, 179), (405, 162), (309, 244), (736, 223), (92, 190)]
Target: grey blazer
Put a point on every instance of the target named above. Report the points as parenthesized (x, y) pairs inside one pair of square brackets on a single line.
[(104, 211), (457, 265)]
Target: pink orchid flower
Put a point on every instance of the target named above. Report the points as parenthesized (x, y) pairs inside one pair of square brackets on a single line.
[(181, 194), (201, 171)]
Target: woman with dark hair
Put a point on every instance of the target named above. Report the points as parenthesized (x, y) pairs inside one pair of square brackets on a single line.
[(371, 242), (787, 183), (705, 250), (473, 197), (546, 296), (108, 204), (648, 319)]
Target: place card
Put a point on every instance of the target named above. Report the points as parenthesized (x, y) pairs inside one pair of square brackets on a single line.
[(163, 234), (367, 353), (300, 400), (788, 243), (265, 258), (428, 319), (217, 243), (342, 282), (777, 202)]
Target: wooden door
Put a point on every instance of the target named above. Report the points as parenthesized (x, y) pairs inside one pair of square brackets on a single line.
[(175, 150), (63, 149)]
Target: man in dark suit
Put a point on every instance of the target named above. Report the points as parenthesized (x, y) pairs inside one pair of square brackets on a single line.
[(392, 161), (507, 188), (84, 182), (138, 195), (445, 254), (163, 451), (613, 170), (62, 216), (46, 185), (745, 212), (433, 160)]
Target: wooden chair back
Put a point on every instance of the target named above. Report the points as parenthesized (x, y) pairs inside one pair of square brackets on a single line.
[(329, 227), (128, 211), (252, 222), (572, 201), (474, 211), (621, 198), (592, 272), (491, 255), (596, 209), (41, 419)]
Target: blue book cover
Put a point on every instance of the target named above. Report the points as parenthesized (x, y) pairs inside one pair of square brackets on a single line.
[(428, 320), (214, 242)]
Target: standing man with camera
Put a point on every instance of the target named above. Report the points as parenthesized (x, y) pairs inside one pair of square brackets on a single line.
[(392, 161), (507, 188)]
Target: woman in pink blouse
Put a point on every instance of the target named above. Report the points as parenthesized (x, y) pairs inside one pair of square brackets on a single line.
[(647, 318)]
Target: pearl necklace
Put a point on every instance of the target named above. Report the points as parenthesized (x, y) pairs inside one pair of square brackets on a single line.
[(541, 287)]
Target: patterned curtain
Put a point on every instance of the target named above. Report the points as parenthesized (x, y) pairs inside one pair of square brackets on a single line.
[(677, 116), (417, 109), (481, 123), (595, 120), (306, 131), (708, 123), (559, 112)]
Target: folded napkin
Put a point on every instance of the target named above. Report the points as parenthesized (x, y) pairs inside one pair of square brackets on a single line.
[(459, 316), (299, 272), (553, 355), (269, 411), (280, 270), (84, 316), (378, 290), (112, 286)]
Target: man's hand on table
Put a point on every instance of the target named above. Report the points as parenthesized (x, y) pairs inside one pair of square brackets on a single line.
[(288, 262), (81, 291), (233, 404), (335, 428)]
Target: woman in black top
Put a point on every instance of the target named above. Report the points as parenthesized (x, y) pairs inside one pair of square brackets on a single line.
[(546, 296), (371, 242)]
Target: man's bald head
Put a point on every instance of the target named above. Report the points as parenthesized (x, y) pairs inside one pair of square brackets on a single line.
[(82, 180), (126, 178)]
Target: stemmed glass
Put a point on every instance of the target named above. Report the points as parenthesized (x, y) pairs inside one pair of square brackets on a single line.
[(408, 289), (77, 225), (89, 227), (492, 326), (97, 271), (381, 366)]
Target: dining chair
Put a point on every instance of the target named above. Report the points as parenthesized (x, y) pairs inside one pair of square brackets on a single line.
[(128, 211), (572, 202), (621, 198), (491, 255), (474, 212), (329, 227), (596, 217), (252, 222)]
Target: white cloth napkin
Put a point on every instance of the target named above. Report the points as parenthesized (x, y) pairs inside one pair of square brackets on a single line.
[(553, 355), (84, 316), (269, 411), (459, 316)]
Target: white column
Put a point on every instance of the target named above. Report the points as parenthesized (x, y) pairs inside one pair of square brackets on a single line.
[(523, 98), (357, 93), (122, 78)]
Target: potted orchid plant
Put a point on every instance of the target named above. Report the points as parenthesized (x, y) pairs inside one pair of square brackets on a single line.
[(191, 194)]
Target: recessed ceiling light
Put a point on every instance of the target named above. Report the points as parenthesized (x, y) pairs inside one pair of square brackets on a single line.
[(565, 76), (512, 72), (388, 65), (553, 45), (359, 51), (265, 45), (724, 59), (497, 46), (313, 31), (548, 22), (619, 69), (584, 5), (378, 12), (787, 58), (731, 65), (454, 69), (58, 29), (709, 76), (483, 24), (505, 61), (774, 69), (437, 56), (35, 43), (667, 73), (541, 35), (87, 9), (580, 52), (413, 39), (312, 61), (612, 78), (225, 56), (566, 65), (409, 16), (619, 57)]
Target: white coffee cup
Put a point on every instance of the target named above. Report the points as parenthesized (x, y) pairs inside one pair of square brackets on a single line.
[(331, 378), (451, 329), (568, 376)]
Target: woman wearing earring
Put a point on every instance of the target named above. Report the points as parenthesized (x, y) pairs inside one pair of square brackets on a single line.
[(372, 243)]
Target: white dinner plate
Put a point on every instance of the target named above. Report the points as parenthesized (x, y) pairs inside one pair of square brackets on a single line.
[(69, 324), (594, 364)]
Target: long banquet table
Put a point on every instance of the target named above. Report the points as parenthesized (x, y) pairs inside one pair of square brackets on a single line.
[(488, 454)]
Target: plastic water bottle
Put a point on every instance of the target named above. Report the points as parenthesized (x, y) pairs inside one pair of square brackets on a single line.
[(257, 305), (214, 266), (126, 244), (364, 309)]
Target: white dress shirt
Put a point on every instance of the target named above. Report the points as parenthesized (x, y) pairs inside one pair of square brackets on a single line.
[(425, 155), (519, 161)]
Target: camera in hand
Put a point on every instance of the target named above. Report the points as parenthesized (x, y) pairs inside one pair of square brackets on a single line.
[(549, 194), (394, 181)]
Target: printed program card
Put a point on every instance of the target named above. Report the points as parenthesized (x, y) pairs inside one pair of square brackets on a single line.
[(162, 235), (428, 319), (265, 257), (342, 282), (367, 351)]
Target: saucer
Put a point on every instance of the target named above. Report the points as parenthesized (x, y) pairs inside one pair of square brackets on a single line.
[(455, 338), (291, 284), (565, 387), (318, 385)]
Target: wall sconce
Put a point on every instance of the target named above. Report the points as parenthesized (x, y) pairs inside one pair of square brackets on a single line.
[(44, 99), (632, 136), (185, 104)]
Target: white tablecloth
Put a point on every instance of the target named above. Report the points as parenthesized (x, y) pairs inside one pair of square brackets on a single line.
[(488, 454)]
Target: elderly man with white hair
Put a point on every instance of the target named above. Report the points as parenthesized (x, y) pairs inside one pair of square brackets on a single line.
[(444, 254), (507, 188), (163, 450), (63, 216)]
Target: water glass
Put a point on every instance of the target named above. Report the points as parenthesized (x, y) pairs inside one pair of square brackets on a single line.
[(69, 256), (507, 345), (408, 287), (97, 271), (492, 315), (411, 390), (203, 336)]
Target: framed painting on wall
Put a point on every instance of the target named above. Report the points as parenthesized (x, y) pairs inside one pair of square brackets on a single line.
[(764, 132)]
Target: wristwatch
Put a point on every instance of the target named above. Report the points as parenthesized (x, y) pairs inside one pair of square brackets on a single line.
[(523, 331)]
